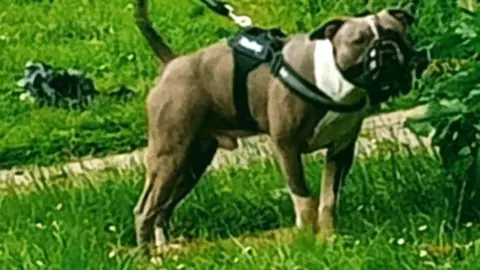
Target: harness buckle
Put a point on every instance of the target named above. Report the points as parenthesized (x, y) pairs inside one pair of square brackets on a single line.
[(241, 20)]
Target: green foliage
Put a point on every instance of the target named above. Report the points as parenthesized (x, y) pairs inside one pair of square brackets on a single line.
[(454, 117), (101, 39)]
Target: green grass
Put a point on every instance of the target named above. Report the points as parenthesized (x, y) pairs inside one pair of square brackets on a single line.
[(76, 223), (100, 37)]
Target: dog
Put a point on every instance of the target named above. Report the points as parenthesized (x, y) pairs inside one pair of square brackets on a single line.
[(191, 114)]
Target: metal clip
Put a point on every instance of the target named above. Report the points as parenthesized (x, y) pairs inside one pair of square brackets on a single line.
[(243, 21)]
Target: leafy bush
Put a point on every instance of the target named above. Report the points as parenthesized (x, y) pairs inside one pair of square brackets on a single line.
[(101, 39), (453, 115)]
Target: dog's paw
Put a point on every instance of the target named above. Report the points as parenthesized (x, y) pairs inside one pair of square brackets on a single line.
[(326, 237), (166, 249), (305, 212), (325, 223), (159, 253)]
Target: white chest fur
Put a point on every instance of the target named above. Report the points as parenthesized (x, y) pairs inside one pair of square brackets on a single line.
[(334, 128)]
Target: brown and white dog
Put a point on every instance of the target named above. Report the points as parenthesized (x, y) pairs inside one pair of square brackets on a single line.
[(191, 113)]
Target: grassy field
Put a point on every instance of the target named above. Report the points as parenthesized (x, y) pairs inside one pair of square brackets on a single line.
[(395, 213), (100, 38)]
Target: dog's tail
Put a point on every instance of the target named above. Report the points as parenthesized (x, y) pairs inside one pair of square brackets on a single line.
[(164, 53)]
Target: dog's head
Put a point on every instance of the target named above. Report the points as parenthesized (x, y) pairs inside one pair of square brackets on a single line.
[(374, 52)]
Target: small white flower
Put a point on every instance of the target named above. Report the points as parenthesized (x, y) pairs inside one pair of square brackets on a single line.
[(247, 250), (468, 224), (422, 228), (112, 254), (24, 96), (423, 253), (40, 226), (112, 228), (400, 241), (59, 206)]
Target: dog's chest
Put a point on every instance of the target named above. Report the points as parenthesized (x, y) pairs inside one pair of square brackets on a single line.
[(336, 130)]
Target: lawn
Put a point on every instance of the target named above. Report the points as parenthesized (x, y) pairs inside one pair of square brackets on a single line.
[(100, 38), (395, 214), (396, 210)]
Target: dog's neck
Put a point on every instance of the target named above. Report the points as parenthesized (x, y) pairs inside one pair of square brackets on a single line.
[(329, 79)]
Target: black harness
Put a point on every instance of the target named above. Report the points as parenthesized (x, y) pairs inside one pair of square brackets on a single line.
[(254, 46)]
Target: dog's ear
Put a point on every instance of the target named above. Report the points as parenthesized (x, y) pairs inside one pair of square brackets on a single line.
[(402, 16), (327, 30)]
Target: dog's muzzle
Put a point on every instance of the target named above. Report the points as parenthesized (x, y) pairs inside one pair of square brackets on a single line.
[(388, 66)]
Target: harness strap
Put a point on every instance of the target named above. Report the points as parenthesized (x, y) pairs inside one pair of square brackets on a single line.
[(255, 46), (251, 47), (243, 65), (306, 90)]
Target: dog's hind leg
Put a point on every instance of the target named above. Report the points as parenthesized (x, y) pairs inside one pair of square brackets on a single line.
[(166, 186), (176, 156)]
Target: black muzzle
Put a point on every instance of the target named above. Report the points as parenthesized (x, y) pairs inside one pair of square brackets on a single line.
[(388, 66)]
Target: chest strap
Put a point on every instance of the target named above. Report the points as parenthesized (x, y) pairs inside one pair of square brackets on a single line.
[(252, 47), (306, 90)]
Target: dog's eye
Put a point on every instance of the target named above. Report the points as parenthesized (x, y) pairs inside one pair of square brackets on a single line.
[(359, 40)]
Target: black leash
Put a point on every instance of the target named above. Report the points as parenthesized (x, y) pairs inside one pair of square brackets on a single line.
[(226, 10), (217, 6)]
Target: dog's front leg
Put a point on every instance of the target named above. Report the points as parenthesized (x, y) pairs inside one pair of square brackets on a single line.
[(289, 157), (336, 169)]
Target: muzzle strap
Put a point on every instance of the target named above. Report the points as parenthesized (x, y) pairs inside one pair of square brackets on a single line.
[(386, 64)]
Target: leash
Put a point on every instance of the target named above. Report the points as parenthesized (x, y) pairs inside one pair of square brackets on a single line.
[(226, 10)]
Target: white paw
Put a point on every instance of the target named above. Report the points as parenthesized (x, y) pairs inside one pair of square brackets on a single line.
[(305, 211)]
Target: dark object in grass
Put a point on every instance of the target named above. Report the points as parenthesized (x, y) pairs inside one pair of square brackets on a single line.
[(62, 88), (53, 86)]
